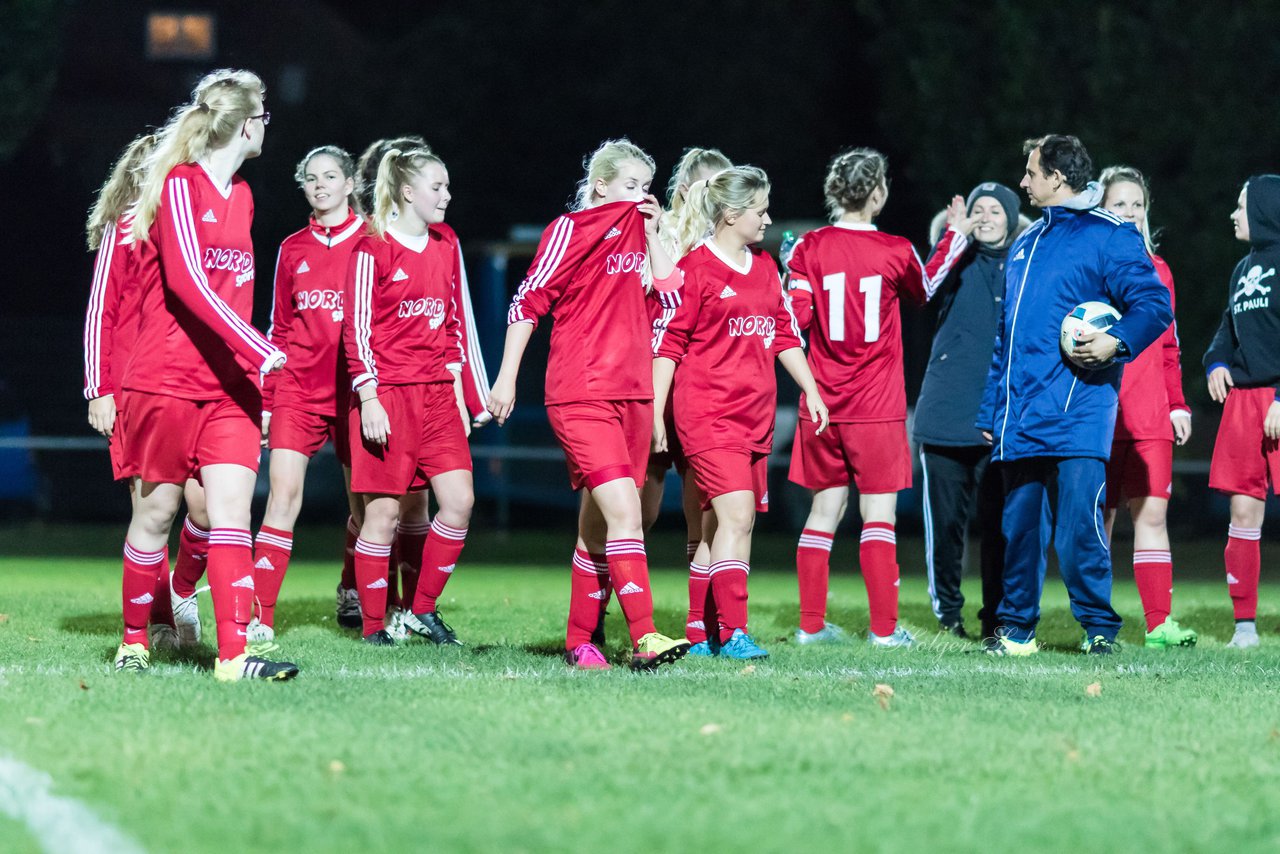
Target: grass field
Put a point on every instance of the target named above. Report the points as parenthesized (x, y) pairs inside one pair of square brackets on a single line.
[(499, 747)]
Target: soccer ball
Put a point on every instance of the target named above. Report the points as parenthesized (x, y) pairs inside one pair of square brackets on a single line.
[(1086, 317)]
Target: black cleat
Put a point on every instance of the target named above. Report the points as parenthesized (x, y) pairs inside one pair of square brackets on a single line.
[(956, 629), (380, 638), (1098, 645), (431, 626)]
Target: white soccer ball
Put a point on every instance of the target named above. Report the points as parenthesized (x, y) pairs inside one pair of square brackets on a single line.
[(1086, 317)]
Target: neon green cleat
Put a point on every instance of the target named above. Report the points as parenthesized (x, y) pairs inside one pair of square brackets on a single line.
[(1001, 645), (1168, 634), (132, 658), (655, 650), (246, 666)]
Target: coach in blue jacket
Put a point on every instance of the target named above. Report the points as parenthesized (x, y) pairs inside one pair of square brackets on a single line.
[(1051, 422)]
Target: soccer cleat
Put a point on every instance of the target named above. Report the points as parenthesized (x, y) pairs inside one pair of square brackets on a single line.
[(741, 646), (381, 637), (703, 648), (900, 638), (395, 624), (161, 636), (830, 633), (132, 658), (1245, 636), (259, 632), (586, 656), (246, 666), (1099, 645), (186, 616), (655, 650), (956, 629), (348, 608), (1168, 634), (431, 626), (1006, 646)]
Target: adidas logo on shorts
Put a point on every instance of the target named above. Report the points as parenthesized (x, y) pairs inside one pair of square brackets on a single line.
[(144, 599), (1231, 579), (400, 275), (303, 268), (247, 581), (728, 292), (208, 216), (629, 588), (377, 585), (613, 232), (264, 562)]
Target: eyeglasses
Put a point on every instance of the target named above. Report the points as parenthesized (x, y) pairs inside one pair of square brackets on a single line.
[(264, 115)]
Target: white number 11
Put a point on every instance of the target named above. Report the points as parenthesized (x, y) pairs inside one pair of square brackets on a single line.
[(870, 287)]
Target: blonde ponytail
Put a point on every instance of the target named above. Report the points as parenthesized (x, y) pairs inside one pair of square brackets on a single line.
[(692, 162), (120, 189), (396, 169), (708, 202), (219, 105)]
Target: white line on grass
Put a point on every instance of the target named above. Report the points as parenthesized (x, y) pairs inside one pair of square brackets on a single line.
[(58, 823)]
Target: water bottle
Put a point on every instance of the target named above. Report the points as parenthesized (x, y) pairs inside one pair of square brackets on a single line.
[(784, 251)]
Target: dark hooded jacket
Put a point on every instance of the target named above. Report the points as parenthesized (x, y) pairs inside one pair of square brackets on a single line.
[(1248, 339)]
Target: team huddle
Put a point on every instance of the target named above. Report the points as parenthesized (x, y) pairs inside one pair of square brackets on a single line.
[(666, 326)]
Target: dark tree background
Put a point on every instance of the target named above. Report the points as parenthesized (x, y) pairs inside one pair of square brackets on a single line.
[(512, 94)]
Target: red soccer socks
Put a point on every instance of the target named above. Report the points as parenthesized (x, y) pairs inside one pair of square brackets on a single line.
[(230, 569), (371, 582), (629, 573), (270, 562), (439, 556), (1243, 557), (1153, 574), (878, 556), (813, 559)]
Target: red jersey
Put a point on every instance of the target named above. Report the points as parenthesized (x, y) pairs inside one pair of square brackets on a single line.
[(196, 271), (587, 275), (306, 317), (475, 380), (729, 327), (1151, 387), (111, 319), (855, 332), (402, 326)]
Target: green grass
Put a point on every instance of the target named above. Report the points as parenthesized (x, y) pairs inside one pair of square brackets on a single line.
[(501, 747)]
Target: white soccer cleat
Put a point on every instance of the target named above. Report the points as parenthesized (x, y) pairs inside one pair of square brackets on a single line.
[(395, 624), (257, 632), (900, 639), (830, 633), (186, 616), (1245, 637)]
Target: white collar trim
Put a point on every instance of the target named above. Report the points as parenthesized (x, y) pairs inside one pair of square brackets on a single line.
[(724, 259), (335, 239), (226, 194), (413, 242), (856, 226)]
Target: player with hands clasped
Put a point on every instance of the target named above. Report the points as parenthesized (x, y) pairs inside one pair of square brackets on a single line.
[(846, 280), (1152, 416), (305, 404), (1243, 365), (588, 274), (1052, 420), (733, 321), (192, 399), (409, 427)]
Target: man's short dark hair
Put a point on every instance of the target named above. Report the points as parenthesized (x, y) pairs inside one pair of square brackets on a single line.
[(1065, 154)]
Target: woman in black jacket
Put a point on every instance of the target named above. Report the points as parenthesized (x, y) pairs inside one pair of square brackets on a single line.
[(967, 264)]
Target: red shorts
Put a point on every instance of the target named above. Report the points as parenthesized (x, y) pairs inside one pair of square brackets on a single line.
[(115, 444), (168, 440), (1244, 459), (294, 429), (1139, 468), (720, 471), (875, 456), (674, 454), (426, 439), (603, 440)]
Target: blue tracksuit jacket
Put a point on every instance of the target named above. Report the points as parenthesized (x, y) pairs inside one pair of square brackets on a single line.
[(1036, 403)]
